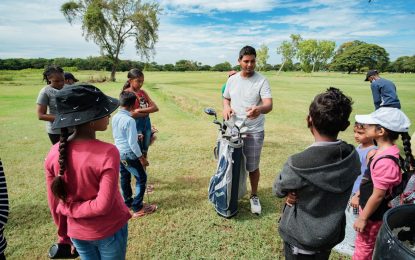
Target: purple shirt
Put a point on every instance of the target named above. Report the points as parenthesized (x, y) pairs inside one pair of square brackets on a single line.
[(362, 156)]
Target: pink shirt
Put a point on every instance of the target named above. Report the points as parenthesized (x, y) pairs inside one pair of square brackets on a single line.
[(386, 173), (94, 207)]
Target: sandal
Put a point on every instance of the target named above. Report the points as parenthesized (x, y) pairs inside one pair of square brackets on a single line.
[(147, 209)]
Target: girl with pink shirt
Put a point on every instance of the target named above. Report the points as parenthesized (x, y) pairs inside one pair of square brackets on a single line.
[(383, 173), (82, 176)]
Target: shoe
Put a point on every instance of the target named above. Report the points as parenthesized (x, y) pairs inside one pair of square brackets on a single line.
[(147, 209), (255, 205)]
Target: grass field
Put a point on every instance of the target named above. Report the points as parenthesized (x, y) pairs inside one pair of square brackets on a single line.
[(181, 162)]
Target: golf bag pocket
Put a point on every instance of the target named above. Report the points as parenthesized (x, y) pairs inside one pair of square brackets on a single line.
[(225, 184)]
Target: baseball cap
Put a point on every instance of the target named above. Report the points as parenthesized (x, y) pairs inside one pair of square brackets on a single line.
[(388, 117), (371, 73), (69, 75)]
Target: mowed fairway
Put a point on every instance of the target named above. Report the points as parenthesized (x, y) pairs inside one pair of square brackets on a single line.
[(181, 162)]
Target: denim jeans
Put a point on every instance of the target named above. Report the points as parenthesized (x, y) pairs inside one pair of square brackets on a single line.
[(143, 125), (130, 165), (112, 247)]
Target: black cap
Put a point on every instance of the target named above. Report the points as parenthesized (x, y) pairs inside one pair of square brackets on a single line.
[(80, 104), (371, 73), (69, 75)]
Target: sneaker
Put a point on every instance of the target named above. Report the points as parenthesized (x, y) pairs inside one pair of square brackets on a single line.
[(147, 209), (255, 205)]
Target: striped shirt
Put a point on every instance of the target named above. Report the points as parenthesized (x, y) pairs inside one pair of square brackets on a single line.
[(4, 208)]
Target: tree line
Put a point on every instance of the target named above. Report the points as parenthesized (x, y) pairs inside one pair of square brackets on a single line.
[(349, 57), (104, 63)]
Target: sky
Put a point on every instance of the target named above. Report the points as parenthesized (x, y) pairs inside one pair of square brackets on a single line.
[(213, 31)]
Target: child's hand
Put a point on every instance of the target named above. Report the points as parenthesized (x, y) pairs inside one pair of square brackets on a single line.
[(354, 202), (291, 198), (143, 161), (140, 137), (360, 224)]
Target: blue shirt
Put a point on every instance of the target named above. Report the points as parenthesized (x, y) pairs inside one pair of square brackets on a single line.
[(384, 94), (125, 134)]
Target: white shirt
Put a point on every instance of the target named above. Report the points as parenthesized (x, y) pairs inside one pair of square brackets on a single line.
[(245, 93)]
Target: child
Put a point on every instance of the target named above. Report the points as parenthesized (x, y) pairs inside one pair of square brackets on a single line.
[(142, 108), (322, 177), (82, 176), (383, 91), (365, 146), (384, 126), (70, 78), (132, 160), (46, 103)]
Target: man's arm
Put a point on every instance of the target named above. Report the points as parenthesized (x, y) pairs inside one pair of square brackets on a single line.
[(376, 95), (227, 110)]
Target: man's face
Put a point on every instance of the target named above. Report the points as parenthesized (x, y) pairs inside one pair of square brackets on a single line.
[(247, 64)]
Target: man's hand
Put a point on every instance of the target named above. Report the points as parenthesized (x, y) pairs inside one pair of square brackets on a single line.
[(143, 161), (227, 113), (291, 198), (253, 112)]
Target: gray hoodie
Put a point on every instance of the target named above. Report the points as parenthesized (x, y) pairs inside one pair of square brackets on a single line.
[(323, 177)]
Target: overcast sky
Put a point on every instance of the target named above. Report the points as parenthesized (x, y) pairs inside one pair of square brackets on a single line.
[(213, 31)]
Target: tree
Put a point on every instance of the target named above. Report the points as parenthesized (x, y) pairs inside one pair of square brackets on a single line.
[(288, 50), (356, 57), (225, 66), (109, 23), (403, 64), (313, 53), (262, 57)]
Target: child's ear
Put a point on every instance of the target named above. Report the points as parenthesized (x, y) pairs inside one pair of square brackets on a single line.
[(309, 121)]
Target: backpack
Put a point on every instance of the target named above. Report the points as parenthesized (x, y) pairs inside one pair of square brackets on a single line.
[(404, 192)]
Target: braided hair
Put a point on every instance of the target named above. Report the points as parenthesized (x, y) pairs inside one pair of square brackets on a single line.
[(409, 158), (58, 184), (49, 70)]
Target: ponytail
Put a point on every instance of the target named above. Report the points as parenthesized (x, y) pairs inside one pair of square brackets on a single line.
[(409, 158), (126, 85), (58, 184)]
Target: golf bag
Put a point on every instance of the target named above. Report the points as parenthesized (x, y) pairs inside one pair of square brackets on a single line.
[(229, 182)]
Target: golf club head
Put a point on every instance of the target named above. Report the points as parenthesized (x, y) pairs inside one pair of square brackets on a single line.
[(210, 111)]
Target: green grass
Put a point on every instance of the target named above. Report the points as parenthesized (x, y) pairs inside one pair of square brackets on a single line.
[(181, 162)]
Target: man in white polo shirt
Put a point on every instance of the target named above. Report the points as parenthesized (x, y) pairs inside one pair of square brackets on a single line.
[(248, 95)]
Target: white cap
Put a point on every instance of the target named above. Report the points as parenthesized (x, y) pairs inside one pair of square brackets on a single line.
[(388, 117)]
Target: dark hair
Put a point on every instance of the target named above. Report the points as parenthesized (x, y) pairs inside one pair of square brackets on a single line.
[(330, 112), (409, 158), (127, 98), (132, 74), (58, 184), (135, 73), (358, 125), (49, 70), (126, 85), (247, 50), (406, 141)]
